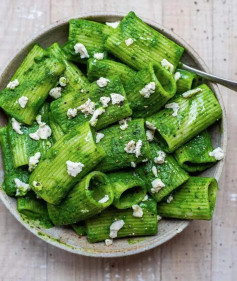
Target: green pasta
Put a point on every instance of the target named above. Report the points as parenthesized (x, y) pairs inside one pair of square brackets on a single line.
[(9, 185), (194, 155), (98, 227), (91, 34), (187, 81), (67, 161), (128, 189), (167, 170), (194, 200), (92, 93), (35, 86), (79, 228), (195, 114), (144, 44), (88, 198), (23, 146), (57, 132), (116, 140)]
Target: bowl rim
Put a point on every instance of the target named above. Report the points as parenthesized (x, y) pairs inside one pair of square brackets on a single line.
[(198, 60)]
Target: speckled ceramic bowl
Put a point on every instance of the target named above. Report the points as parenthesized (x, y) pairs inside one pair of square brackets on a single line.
[(65, 238)]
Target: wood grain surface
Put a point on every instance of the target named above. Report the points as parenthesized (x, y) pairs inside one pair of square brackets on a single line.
[(205, 251)]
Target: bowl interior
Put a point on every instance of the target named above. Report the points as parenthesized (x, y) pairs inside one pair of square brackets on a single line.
[(65, 237)]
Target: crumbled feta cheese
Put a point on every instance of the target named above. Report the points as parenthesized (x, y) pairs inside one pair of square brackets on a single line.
[(137, 211), (169, 199), (191, 93), (148, 90), (105, 101), (174, 106), (99, 56), (161, 157), (157, 185), (87, 108), (218, 153), (43, 132), (74, 168), (167, 65), (129, 41), (138, 148), (154, 171), (113, 24), (150, 126), (99, 137), (124, 124), (81, 49), (33, 161), (55, 92), (13, 84), (62, 81), (71, 113), (21, 187), (116, 98), (150, 135), (177, 76), (104, 199), (102, 82), (108, 242), (16, 126), (23, 101), (145, 198), (145, 160), (115, 227), (130, 147), (159, 218), (96, 114), (133, 164)]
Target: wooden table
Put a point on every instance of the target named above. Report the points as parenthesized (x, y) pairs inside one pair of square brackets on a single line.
[(205, 250)]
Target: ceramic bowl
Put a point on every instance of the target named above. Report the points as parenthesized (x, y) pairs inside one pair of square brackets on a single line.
[(66, 238)]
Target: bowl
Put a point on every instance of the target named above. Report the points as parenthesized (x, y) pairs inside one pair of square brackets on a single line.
[(64, 237)]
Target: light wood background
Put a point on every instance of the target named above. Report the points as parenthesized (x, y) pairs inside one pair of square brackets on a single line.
[(205, 251)]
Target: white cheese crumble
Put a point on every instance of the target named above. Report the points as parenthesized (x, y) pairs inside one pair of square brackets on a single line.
[(150, 135), (115, 227), (21, 187), (130, 147), (145, 160), (138, 148), (23, 101), (108, 242), (99, 137), (174, 106), (71, 113), (167, 65), (218, 153), (13, 84), (157, 185), (129, 41), (148, 90), (43, 132), (191, 93), (177, 76), (104, 199), (169, 199), (137, 211), (154, 171), (81, 49), (124, 123), (150, 126), (74, 168), (116, 98), (16, 126), (87, 108), (105, 101), (133, 164), (102, 82), (62, 81), (159, 218), (99, 56), (55, 92), (33, 161), (145, 198), (161, 157), (96, 114), (113, 24)]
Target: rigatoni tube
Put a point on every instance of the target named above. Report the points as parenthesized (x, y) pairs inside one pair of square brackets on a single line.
[(185, 80)]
